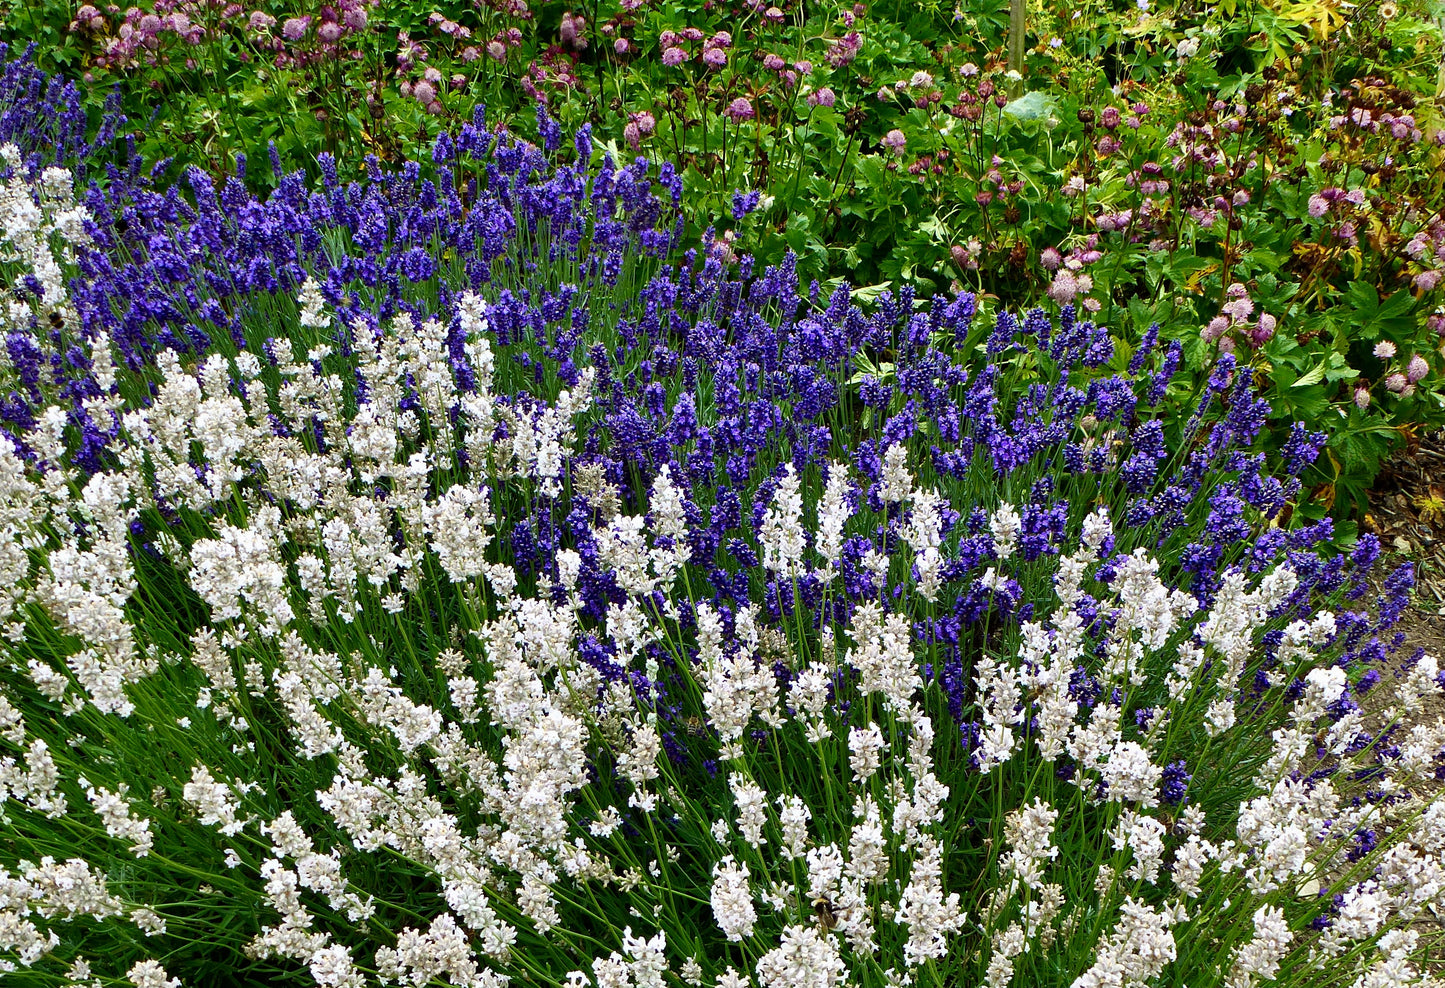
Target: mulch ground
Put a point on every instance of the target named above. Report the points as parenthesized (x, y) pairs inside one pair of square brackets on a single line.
[(1407, 512)]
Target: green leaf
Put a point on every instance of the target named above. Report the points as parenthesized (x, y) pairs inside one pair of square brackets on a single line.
[(935, 228), (1396, 305), (1034, 106), (1314, 376), (1362, 297), (1361, 452), (868, 294)]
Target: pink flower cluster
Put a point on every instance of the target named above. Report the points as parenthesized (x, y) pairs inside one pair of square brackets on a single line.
[(1401, 382), (308, 39), (1321, 201), (142, 35), (714, 49), (639, 125), (966, 256), (822, 97), (1070, 278), (1401, 127), (502, 43), (572, 32), (448, 26), (613, 29), (429, 82), (553, 69), (510, 8), (789, 75), (845, 49), (1235, 317), (1427, 250), (1002, 188)]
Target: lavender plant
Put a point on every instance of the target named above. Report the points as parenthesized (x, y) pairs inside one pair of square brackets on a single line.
[(44, 117), (1257, 176), (458, 582)]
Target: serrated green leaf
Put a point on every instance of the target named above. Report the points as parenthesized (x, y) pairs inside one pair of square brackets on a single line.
[(1396, 305), (1363, 298)]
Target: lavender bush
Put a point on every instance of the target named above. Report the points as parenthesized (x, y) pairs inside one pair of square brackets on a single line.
[(44, 117), (1259, 177), (460, 581)]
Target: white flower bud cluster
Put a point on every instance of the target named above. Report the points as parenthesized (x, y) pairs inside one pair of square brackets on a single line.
[(40, 228)]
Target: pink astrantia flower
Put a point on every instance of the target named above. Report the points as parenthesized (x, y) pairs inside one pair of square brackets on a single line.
[(740, 109), (1263, 330)]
